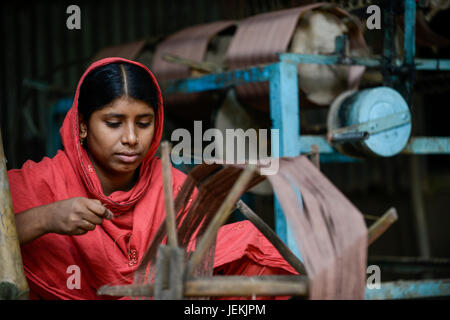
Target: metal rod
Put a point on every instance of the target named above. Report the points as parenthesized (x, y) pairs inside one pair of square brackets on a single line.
[(382, 224), (411, 265), (13, 284), (416, 145), (220, 217), (418, 207), (168, 195), (349, 137), (285, 252), (264, 72)]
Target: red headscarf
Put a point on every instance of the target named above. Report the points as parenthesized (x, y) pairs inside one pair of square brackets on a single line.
[(111, 253)]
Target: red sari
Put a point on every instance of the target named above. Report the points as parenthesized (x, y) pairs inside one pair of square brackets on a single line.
[(111, 253)]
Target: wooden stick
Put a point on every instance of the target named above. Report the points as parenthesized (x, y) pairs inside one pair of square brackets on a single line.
[(217, 286), (315, 155), (13, 284), (201, 66), (246, 286), (285, 252), (382, 224), (220, 217), (132, 290), (168, 196)]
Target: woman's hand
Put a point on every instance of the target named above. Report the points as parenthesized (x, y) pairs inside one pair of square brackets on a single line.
[(74, 216)]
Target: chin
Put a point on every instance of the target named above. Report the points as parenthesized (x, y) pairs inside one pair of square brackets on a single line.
[(123, 168)]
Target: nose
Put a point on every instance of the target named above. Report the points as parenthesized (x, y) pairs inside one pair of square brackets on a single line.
[(129, 135)]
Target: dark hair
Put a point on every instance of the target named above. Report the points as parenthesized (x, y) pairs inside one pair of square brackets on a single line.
[(104, 84)]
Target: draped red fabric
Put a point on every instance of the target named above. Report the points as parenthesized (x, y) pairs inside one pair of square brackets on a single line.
[(112, 251)]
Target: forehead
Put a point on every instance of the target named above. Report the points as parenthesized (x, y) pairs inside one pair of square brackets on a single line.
[(127, 106)]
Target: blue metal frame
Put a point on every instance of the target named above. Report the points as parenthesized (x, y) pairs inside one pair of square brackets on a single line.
[(409, 290), (284, 111)]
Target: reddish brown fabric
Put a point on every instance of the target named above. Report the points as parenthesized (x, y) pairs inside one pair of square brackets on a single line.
[(330, 231), (260, 38)]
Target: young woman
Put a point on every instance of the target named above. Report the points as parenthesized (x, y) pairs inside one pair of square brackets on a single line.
[(93, 209)]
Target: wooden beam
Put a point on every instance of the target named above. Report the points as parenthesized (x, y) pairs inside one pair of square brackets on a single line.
[(216, 286)]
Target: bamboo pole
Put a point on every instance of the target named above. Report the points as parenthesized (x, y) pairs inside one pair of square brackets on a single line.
[(13, 284), (168, 195)]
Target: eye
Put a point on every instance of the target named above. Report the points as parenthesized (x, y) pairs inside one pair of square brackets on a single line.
[(113, 124), (144, 124)]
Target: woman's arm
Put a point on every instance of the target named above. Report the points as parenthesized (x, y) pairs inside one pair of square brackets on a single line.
[(32, 223), (74, 216)]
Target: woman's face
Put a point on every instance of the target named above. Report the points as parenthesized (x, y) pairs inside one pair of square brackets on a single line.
[(119, 135)]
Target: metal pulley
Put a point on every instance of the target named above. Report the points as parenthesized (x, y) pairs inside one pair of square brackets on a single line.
[(371, 122)]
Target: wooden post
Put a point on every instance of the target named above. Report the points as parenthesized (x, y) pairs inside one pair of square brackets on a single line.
[(169, 279), (170, 262), (13, 284), (168, 196)]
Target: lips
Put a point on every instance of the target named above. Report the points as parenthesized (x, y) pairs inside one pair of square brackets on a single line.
[(127, 157)]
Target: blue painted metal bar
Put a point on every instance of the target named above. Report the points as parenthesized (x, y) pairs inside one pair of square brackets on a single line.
[(428, 145), (219, 80), (284, 111), (410, 289), (416, 145), (327, 152), (420, 63), (432, 64), (328, 59), (409, 44)]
